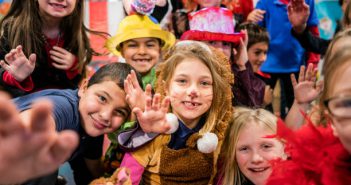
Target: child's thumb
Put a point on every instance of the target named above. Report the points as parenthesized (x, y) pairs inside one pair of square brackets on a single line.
[(138, 112)]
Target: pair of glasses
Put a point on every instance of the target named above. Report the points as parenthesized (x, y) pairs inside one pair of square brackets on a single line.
[(339, 106)]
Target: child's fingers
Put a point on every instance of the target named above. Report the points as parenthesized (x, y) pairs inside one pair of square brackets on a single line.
[(314, 75), (41, 119), (156, 102), (302, 74), (32, 59), (59, 50), (293, 79), (57, 54), (290, 8), (246, 37), (60, 66), (126, 88), (259, 14), (130, 82), (9, 57), (309, 72), (128, 99), (134, 80), (148, 103), (58, 60), (148, 90), (63, 147), (138, 112), (5, 66), (165, 103), (19, 52)]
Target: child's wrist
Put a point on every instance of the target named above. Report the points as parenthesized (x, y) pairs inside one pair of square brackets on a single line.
[(300, 29), (303, 105), (242, 68)]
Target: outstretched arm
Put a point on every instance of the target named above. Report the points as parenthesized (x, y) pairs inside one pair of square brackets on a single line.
[(305, 90), (30, 147), (18, 65), (153, 118), (143, 105), (256, 16), (298, 13)]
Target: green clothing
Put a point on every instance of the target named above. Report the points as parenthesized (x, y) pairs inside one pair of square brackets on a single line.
[(149, 78), (114, 153)]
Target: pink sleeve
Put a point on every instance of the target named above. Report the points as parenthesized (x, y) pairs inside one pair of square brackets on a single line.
[(136, 169)]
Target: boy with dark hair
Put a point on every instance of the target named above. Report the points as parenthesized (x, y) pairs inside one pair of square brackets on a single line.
[(98, 107)]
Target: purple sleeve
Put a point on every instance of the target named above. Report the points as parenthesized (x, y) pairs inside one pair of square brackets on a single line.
[(133, 139), (248, 89), (136, 169)]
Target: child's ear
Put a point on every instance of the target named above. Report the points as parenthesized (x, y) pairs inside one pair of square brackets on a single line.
[(83, 87)]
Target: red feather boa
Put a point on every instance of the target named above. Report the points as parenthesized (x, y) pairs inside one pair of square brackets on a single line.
[(315, 157)]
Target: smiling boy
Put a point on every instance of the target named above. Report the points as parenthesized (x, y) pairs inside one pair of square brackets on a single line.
[(98, 107), (140, 41)]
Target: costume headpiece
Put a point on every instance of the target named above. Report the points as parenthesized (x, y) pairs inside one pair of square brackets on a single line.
[(139, 26), (212, 24)]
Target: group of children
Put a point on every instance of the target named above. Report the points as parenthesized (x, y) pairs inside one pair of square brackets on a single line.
[(168, 109)]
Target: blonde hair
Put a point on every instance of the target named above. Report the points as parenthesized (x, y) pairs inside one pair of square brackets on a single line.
[(219, 67), (329, 67), (219, 114), (242, 116), (346, 20), (334, 66), (329, 54)]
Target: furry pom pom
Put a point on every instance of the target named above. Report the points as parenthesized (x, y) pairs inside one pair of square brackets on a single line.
[(207, 143), (173, 122)]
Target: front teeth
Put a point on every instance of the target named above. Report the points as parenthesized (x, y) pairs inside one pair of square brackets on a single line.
[(191, 104), (142, 60), (57, 5), (258, 169)]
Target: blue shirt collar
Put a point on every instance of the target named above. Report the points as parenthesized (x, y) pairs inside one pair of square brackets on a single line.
[(179, 138)]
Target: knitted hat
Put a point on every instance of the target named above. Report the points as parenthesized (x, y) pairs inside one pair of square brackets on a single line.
[(212, 24), (138, 26)]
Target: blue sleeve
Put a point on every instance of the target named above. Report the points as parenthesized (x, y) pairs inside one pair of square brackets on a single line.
[(313, 19), (64, 111), (261, 4), (64, 114)]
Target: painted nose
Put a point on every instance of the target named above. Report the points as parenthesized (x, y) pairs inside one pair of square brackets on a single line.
[(193, 92)]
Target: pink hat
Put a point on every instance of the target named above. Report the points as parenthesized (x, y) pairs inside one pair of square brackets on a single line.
[(212, 24)]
